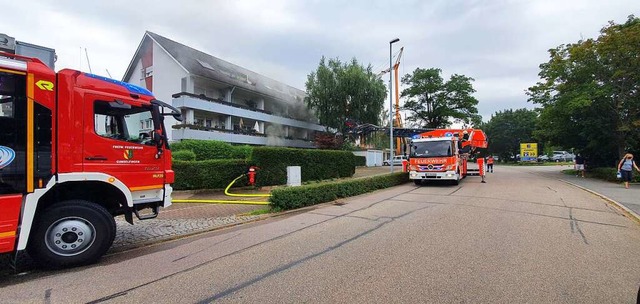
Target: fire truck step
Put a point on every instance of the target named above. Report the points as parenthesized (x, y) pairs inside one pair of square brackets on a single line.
[(153, 214)]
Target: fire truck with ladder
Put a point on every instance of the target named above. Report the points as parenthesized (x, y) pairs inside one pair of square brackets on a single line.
[(73, 156), (443, 154)]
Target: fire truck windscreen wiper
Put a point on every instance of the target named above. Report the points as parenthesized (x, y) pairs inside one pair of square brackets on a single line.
[(174, 112)]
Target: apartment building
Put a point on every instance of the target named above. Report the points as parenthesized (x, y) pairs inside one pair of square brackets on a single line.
[(219, 100)]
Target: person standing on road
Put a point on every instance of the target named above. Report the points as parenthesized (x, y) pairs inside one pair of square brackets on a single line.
[(490, 163), (625, 167), (579, 165)]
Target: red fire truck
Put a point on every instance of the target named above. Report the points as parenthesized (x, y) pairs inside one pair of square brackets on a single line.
[(76, 150), (442, 154)]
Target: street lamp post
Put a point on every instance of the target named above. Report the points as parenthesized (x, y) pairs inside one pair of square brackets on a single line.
[(391, 103)]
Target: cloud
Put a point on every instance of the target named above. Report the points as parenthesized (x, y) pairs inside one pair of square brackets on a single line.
[(499, 43)]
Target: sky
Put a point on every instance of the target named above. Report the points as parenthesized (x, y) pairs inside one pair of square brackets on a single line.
[(499, 43)]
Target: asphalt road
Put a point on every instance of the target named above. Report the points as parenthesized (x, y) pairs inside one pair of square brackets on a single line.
[(523, 236)]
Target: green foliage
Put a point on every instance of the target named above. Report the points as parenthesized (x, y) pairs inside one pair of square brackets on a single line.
[(609, 174), (507, 129), (212, 149), (433, 103), (589, 94), (208, 174), (184, 155), (360, 161), (315, 164), (307, 195), (338, 92)]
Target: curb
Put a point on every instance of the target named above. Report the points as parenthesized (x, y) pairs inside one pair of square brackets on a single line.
[(628, 212)]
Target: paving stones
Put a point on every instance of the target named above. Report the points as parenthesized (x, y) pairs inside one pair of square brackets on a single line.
[(155, 230)]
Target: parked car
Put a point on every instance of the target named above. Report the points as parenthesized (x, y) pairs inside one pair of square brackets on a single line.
[(543, 158), (397, 160), (562, 156)]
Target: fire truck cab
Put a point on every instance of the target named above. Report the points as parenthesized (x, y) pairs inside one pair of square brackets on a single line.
[(442, 154), (76, 151)]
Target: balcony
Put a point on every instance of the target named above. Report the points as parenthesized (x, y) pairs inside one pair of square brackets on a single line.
[(192, 101), (186, 131)]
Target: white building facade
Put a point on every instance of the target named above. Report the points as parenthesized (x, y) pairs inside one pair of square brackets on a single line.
[(220, 100)]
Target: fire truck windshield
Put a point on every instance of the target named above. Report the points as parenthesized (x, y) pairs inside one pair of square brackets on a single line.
[(432, 149), (124, 122)]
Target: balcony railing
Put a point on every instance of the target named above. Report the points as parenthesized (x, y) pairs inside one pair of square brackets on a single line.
[(190, 131), (201, 102)]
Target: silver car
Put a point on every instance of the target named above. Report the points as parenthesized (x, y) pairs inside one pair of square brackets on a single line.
[(397, 160)]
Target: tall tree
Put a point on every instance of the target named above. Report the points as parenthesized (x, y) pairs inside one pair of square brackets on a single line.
[(507, 129), (340, 92), (434, 103), (590, 93)]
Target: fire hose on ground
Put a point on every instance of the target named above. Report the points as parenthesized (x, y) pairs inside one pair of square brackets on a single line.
[(226, 192)]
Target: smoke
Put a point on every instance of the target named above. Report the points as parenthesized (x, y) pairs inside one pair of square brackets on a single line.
[(275, 135), (300, 111)]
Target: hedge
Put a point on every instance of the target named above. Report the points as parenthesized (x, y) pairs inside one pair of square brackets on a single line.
[(315, 164), (212, 149), (360, 161), (609, 174), (208, 174), (184, 155), (301, 196)]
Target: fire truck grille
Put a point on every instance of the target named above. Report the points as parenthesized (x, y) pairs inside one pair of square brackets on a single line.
[(432, 167)]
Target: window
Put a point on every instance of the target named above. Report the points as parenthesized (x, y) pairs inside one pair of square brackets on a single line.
[(117, 120), (13, 136), (431, 149)]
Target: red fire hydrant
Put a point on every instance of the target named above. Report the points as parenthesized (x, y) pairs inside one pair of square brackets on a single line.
[(252, 175)]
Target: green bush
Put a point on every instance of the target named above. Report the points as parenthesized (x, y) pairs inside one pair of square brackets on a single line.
[(315, 164), (360, 161), (212, 149), (184, 155), (609, 174), (208, 174), (307, 195)]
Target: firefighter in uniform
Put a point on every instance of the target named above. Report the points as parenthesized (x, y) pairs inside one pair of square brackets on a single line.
[(490, 163)]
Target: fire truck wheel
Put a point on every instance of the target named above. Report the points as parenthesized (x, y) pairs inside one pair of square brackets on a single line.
[(72, 233), (418, 182)]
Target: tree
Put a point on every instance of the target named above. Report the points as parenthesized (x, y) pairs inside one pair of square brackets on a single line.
[(590, 94), (507, 129), (340, 92), (434, 103)]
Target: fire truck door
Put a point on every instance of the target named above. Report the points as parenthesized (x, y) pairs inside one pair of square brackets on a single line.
[(13, 145), (118, 141)]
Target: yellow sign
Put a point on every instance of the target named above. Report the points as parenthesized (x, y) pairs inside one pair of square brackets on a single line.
[(45, 85), (529, 151)]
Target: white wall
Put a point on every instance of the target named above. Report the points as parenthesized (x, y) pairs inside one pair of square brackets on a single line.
[(167, 82), (374, 157)]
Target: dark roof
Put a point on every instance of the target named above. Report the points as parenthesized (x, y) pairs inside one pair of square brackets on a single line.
[(204, 65)]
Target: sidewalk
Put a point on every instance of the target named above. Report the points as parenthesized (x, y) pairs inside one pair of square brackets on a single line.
[(615, 192)]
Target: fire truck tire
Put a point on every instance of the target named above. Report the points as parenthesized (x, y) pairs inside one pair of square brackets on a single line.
[(72, 233), (418, 182)]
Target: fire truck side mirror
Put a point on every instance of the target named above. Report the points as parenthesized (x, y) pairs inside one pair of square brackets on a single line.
[(157, 138)]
